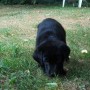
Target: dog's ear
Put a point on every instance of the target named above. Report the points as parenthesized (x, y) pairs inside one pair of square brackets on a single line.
[(42, 46), (38, 56), (65, 50)]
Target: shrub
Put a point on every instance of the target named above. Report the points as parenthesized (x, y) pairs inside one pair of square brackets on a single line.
[(18, 1)]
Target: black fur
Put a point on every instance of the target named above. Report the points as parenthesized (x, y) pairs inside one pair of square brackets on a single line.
[(51, 48)]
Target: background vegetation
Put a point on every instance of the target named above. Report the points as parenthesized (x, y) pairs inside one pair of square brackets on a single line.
[(18, 27), (39, 1)]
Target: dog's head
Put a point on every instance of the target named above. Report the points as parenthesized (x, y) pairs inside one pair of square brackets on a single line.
[(54, 54)]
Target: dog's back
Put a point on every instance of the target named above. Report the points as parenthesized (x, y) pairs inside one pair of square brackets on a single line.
[(50, 27)]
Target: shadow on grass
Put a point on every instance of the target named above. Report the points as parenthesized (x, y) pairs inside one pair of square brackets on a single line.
[(79, 69)]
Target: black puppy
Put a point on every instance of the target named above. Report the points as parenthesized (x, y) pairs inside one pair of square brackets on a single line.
[(51, 48)]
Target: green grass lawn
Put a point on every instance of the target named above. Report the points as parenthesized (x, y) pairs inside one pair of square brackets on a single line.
[(18, 27)]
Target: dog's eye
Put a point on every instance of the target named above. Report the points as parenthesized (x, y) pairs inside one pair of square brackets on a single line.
[(58, 55), (45, 59)]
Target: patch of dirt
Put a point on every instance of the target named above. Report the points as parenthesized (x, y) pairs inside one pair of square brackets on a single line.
[(25, 24), (69, 86), (87, 87), (70, 23)]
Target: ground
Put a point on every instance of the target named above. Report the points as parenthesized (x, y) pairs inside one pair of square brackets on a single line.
[(18, 27)]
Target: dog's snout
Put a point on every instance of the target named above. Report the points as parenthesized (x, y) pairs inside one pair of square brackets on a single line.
[(51, 74), (50, 69)]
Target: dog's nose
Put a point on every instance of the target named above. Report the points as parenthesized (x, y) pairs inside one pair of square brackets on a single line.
[(51, 74)]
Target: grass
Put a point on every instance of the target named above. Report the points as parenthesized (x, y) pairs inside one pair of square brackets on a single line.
[(18, 27)]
